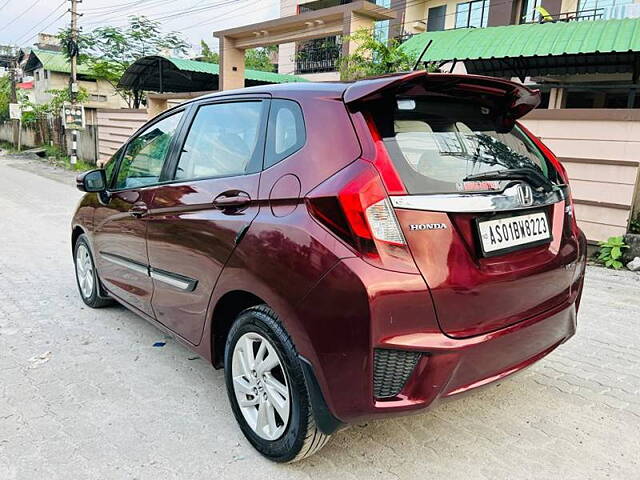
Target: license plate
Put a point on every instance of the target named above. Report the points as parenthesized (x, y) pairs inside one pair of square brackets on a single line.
[(511, 233)]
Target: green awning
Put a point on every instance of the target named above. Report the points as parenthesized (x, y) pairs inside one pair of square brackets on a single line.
[(214, 69), (168, 74), (597, 46)]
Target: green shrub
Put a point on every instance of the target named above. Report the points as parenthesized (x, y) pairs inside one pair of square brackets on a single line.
[(610, 252), (634, 226)]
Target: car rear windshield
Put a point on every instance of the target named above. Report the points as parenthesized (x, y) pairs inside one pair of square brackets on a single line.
[(436, 143)]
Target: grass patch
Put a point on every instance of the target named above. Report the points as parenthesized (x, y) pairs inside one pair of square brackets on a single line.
[(61, 159), (7, 147), (55, 156)]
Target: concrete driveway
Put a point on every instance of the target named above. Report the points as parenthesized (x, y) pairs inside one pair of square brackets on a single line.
[(85, 395)]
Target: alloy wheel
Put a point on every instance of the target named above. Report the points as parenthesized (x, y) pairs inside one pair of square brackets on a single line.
[(84, 271), (260, 385)]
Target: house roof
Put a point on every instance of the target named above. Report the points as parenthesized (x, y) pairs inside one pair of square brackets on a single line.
[(537, 48), (167, 74), (52, 61)]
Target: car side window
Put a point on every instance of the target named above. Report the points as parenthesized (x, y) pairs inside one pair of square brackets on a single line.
[(110, 165), (223, 141), (286, 132), (145, 155)]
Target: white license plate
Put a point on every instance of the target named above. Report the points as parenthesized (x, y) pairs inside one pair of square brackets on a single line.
[(510, 233)]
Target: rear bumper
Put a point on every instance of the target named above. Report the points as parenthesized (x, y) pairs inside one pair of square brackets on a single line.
[(449, 367), (356, 309)]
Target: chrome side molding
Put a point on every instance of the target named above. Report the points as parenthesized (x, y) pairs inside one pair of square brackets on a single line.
[(178, 281), (511, 198), (175, 280), (125, 262)]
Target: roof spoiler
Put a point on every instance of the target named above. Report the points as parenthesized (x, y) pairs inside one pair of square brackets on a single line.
[(515, 100)]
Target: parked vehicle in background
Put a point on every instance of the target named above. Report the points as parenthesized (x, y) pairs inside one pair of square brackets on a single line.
[(344, 251)]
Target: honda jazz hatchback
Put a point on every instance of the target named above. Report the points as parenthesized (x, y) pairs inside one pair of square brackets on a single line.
[(345, 251)]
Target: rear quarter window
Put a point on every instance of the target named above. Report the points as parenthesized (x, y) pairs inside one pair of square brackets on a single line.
[(286, 132)]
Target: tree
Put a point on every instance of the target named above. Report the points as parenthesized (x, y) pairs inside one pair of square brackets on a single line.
[(109, 51), (208, 55), (260, 58), (5, 97), (35, 114), (32, 111), (374, 57), (255, 58)]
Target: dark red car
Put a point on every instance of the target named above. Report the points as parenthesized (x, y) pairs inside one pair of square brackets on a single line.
[(344, 250)]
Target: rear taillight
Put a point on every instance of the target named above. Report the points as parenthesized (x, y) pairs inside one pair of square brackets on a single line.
[(383, 162), (354, 205)]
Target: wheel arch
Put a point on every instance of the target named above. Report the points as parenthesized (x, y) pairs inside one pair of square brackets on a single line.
[(75, 234), (227, 309)]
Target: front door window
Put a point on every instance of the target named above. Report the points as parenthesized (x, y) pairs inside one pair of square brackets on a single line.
[(223, 141), (146, 153)]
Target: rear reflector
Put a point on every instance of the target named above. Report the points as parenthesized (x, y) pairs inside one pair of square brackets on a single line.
[(384, 225)]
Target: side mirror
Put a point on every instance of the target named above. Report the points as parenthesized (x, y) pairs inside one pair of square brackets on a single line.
[(92, 181)]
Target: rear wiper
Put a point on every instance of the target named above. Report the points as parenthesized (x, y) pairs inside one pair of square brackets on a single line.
[(531, 176)]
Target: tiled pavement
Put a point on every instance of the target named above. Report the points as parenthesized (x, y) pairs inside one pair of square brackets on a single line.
[(84, 395)]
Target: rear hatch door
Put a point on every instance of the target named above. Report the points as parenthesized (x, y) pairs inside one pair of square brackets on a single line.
[(483, 210)]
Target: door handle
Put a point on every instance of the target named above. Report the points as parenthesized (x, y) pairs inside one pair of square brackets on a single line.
[(139, 209), (232, 201)]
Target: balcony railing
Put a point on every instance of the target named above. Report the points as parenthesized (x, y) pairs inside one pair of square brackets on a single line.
[(590, 14), (320, 4), (318, 59), (605, 13)]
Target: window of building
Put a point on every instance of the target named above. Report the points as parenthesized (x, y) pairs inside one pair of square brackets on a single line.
[(602, 9), (223, 141), (97, 98), (145, 155), (472, 14), (46, 74), (528, 13), (37, 75), (435, 18), (286, 133), (601, 98)]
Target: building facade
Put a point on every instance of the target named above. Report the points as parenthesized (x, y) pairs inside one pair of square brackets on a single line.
[(319, 59), (50, 70)]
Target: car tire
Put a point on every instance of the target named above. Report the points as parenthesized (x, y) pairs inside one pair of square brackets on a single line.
[(86, 275), (291, 439)]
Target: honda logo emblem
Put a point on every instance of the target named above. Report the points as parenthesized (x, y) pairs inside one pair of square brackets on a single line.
[(525, 195)]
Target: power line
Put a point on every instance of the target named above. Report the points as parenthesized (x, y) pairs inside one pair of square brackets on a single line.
[(177, 14), (107, 7), (107, 15), (5, 4), (196, 10), (173, 14), (21, 15), (37, 25), (393, 9), (46, 26)]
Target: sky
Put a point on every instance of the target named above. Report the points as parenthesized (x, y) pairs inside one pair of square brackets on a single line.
[(21, 20)]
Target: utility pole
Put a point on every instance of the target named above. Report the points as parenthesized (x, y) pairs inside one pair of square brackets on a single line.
[(13, 72), (73, 81)]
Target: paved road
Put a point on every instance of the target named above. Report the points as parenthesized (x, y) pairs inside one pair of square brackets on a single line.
[(84, 395)]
